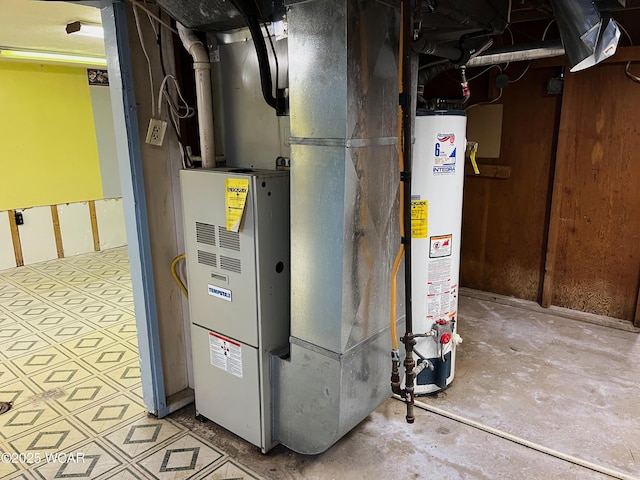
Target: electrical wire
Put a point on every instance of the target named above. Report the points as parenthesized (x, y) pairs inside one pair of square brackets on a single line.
[(139, 5), (184, 155), (273, 48), (485, 71), (521, 441), (175, 109), (627, 70), (544, 35), (175, 275), (522, 74), (146, 55)]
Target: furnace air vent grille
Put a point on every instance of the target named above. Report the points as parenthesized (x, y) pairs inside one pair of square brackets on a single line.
[(206, 258), (230, 264), (206, 233), (229, 240)]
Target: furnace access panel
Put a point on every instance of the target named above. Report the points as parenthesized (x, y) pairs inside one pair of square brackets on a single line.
[(238, 292)]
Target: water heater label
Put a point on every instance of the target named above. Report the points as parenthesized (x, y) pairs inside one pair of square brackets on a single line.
[(440, 246), (444, 154), (438, 288), (219, 292), (226, 354), (419, 218)]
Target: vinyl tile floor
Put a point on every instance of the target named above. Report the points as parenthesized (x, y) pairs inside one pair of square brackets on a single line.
[(69, 365)]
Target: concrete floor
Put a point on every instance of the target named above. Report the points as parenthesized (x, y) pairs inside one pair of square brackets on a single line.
[(564, 384)]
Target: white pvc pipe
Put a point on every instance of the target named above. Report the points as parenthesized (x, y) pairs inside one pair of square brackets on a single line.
[(202, 68), (523, 442)]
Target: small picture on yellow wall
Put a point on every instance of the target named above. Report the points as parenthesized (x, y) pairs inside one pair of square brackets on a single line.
[(98, 77)]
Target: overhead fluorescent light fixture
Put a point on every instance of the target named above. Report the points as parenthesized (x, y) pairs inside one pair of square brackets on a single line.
[(587, 37), (51, 57), (85, 29)]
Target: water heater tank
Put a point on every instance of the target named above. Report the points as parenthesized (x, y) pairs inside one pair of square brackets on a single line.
[(436, 213)]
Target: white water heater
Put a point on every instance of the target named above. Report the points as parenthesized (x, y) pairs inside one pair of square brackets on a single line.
[(436, 219)]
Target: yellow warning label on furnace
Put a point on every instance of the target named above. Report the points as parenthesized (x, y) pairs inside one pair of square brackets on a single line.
[(419, 218), (235, 199)]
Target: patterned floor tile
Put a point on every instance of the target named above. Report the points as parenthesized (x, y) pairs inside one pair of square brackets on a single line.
[(124, 330), (115, 315), (84, 462), (9, 470), (96, 285), (180, 459), (20, 345), (9, 331), (68, 302), (111, 413), (85, 393), (60, 376), (142, 436), (137, 391), (126, 376), (50, 285), (69, 331), (12, 294), (20, 420), (35, 311), (59, 293), (91, 310), (6, 374), (129, 473), (22, 302), (17, 393), (6, 318), (50, 320), (109, 358), (88, 343), (230, 470), (80, 279), (35, 362), (61, 436)]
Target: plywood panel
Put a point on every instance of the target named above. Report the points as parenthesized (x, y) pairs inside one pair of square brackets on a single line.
[(75, 227), (36, 235), (110, 217), (484, 125), (597, 264), (7, 254), (504, 224)]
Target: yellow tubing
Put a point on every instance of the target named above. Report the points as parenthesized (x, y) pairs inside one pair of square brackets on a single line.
[(396, 264), (175, 276)]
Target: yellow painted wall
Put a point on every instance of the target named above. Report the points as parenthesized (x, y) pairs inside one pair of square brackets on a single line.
[(48, 148)]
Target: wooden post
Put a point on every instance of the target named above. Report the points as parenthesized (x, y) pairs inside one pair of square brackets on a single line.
[(94, 225), (15, 238), (56, 230), (559, 175)]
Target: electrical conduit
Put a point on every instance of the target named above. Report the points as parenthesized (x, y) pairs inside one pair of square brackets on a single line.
[(202, 68)]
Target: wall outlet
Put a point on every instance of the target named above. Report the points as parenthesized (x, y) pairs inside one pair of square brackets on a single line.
[(155, 133)]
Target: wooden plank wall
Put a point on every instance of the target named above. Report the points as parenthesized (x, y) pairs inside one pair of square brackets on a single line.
[(579, 149), (594, 247), (504, 225)]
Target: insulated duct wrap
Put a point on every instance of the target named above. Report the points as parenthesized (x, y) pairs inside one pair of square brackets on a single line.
[(344, 209)]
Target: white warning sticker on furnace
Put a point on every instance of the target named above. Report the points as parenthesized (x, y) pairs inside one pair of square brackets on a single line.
[(438, 288), (444, 162), (440, 246), (226, 354)]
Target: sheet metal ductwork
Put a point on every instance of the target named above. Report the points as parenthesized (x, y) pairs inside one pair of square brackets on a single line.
[(217, 15), (344, 217)]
